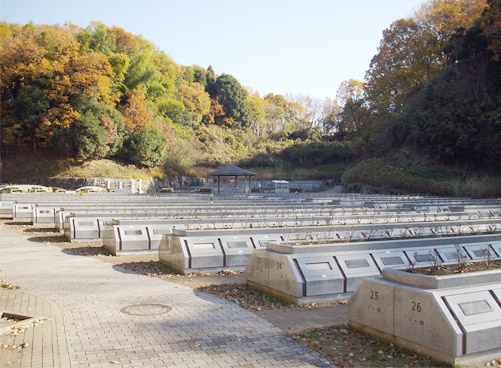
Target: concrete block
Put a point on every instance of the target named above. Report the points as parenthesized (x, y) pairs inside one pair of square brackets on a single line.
[(423, 318), (372, 305), (321, 274)]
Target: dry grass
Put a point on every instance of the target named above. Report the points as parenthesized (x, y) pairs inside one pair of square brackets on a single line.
[(29, 167), (108, 169)]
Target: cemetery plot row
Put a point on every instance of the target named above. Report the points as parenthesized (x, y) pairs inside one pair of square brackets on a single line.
[(214, 250), (321, 273), (92, 228)]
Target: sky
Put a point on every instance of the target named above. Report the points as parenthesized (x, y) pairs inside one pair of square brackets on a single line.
[(299, 47)]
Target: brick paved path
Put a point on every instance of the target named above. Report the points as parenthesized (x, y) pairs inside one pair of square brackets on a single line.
[(200, 330)]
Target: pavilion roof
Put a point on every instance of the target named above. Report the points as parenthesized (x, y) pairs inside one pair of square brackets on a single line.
[(231, 171)]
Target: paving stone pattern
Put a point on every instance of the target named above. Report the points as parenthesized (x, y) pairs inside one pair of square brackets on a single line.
[(44, 344), (200, 330)]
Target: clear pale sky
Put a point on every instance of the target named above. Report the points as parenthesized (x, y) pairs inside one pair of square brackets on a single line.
[(304, 47)]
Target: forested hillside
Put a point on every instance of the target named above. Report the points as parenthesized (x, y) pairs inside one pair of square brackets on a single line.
[(431, 96)]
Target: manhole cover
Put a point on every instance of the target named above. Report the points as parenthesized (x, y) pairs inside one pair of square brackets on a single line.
[(146, 309)]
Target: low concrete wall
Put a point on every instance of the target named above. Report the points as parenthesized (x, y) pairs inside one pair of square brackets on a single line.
[(148, 185)]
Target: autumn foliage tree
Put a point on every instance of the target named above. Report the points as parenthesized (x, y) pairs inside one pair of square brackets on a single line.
[(411, 50), (135, 110), (102, 92)]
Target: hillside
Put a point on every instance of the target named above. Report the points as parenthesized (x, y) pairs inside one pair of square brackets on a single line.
[(101, 101)]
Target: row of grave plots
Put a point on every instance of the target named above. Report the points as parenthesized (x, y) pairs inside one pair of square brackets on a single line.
[(316, 250), (150, 218), (193, 234)]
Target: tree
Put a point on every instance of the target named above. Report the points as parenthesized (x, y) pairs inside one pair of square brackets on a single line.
[(146, 147), (99, 131), (170, 71), (492, 28), (136, 113), (350, 90), (233, 97), (282, 114), (456, 116), (199, 76), (143, 71), (354, 113), (195, 100), (411, 50), (210, 77), (96, 38), (30, 107), (274, 117), (257, 107), (402, 64), (354, 116), (441, 18), (90, 77), (129, 44), (120, 64), (309, 111), (329, 121), (43, 58)]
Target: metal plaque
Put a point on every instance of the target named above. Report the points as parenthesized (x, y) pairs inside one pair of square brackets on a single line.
[(237, 244), (202, 246), (356, 263), (392, 261), (477, 307)]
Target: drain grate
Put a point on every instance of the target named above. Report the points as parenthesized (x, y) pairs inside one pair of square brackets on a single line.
[(146, 309), (11, 321)]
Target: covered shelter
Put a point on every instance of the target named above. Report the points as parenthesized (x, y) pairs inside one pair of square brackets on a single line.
[(231, 171)]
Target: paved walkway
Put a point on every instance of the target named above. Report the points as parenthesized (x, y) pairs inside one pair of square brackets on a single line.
[(114, 318)]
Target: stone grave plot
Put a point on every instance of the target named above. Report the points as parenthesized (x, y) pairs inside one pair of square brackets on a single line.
[(123, 236), (211, 250), (203, 210), (6, 208), (318, 215), (327, 272), (22, 211), (86, 227), (344, 203), (344, 199), (60, 217), (453, 318), (90, 227)]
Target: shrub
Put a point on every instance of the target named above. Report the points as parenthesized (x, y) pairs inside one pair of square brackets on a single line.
[(378, 174), (146, 147), (317, 153)]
